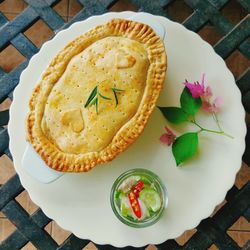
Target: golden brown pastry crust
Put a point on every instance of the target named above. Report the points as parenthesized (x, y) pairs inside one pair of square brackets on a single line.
[(69, 162)]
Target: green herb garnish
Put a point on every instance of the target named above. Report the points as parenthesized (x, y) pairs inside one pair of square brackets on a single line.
[(115, 91), (104, 97), (96, 105), (93, 97)]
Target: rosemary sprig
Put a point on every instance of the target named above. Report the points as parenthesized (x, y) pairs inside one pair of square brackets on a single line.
[(93, 97), (94, 102), (115, 91), (116, 99), (104, 97), (96, 105)]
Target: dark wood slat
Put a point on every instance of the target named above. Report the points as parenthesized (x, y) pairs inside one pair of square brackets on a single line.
[(7, 152), (24, 45), (9, 81), (195, 21), (170, 244), (246, 101), (165, 3), (20, 218), (218, 236), (246, 156), (20, 42), (4, 118), (245, 4), (40, 218), (109, 247), (72, 242), (218, 3), (232, 193), (4, 140), (54, 21), (17, 240), (3, 19), (82, 15), (199, 240), (243, 82), (234, 208), (213, 230), (10, 190), (2, 73), (246, 246), (93, 6), (14, 242), (204, 12), (152, 7), (234, 38), (210, 12), (198, 19), (20, 23)]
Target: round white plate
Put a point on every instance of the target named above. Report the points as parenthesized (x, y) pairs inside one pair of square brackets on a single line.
[(80, 202)]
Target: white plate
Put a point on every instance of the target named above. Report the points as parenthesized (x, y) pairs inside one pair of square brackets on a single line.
[(80, 202)]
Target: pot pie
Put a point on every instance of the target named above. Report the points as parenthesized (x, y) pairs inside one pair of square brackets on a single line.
[(96, 95)]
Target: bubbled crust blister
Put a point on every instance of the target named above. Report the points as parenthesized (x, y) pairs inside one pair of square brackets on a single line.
[(68, 162)]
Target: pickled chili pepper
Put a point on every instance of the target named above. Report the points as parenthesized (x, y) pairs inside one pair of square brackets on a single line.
[(135, 204), (138, 187)]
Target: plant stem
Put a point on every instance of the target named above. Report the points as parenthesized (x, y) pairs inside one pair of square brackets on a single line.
[(217, 121), (210, 130)]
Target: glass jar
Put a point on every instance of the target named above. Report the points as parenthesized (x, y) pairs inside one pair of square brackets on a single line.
[(138, 187)]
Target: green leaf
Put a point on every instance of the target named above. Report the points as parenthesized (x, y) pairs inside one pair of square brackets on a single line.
[(93, 102), (117, 90), (174, 114), (116, 99), (189, 104), (96, 105), (104, 97), (115, 94), (91, 96), (184, 147)]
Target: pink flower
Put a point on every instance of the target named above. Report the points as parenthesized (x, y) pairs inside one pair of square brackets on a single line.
[(197, 89), (213, 107), (208, 92), (167, 138)]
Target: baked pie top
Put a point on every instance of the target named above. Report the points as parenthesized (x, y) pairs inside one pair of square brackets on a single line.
[(96, 96)]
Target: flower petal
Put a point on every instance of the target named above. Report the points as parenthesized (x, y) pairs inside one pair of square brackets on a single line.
[(206, 106), (164, 139), (195, 89), (215, 107), (208, 92), (169, 131), (203, 80), (217, 101), (168, 138)]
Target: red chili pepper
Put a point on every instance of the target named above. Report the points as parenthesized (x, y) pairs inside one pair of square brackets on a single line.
[(135, 204), (138, 187)]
